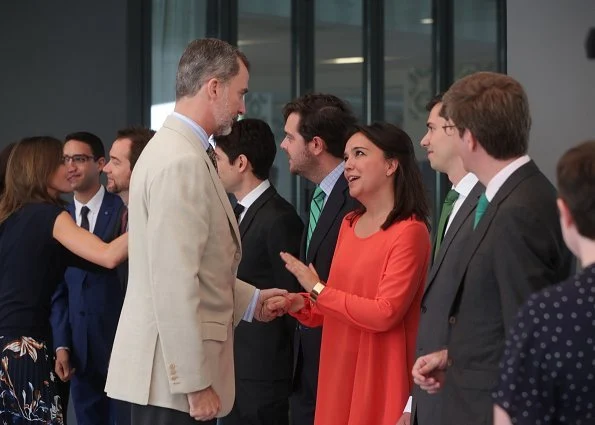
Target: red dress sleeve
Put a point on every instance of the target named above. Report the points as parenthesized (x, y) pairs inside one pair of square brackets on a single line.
[(309, 315), (405, 269)]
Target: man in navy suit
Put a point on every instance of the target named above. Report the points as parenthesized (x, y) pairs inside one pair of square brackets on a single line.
[(86, 306)]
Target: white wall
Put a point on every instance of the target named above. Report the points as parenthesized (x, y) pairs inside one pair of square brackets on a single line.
[(546, 53)]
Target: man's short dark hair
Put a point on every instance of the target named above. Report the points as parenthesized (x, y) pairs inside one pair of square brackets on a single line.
[(434, 101), (325, 116), (139, 137), (576, 186), (253, 138), (90, 139)]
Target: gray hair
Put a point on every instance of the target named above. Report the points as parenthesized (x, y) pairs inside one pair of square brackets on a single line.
[(204, 59)]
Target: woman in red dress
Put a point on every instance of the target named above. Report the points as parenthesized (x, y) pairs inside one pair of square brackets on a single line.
[(370, 305)]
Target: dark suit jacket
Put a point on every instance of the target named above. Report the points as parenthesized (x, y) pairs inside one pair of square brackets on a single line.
[(320, 254), (438, 296), (263, 351), (516, 249), (86, 306)]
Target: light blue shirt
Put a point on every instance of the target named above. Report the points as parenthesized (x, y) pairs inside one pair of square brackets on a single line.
[(204, 139), (328, 183), (197, 129)]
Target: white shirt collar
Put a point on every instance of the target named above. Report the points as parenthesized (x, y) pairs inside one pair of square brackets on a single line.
[(197, 129), (467, 183), (252, 196), (94, 205), (500, 178)]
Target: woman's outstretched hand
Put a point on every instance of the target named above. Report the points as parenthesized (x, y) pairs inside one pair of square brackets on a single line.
[(306, 275)]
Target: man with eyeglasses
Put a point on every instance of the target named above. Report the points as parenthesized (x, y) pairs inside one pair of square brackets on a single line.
[(86, 306), (454, 228), (516, 247)]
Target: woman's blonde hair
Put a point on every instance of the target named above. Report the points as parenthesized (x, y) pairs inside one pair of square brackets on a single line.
[(31, 165)]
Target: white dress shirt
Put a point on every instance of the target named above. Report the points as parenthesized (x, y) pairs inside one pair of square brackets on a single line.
[(94, 205), (500, 178), (463, 188), (251, 197)]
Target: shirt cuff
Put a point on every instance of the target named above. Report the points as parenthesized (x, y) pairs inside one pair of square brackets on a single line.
[(249, 314), (408, 405), (62, 348)]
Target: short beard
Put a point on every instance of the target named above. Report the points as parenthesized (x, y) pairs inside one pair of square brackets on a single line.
[(223, 123)]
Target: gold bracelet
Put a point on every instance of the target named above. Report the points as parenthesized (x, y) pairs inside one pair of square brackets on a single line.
[(315, 292)]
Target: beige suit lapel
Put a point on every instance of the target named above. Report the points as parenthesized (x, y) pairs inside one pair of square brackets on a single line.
[(177, 125)]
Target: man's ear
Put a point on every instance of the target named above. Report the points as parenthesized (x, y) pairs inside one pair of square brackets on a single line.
[(213, 87), (317, 145), (243, 163), (101, 163), (470, 141)]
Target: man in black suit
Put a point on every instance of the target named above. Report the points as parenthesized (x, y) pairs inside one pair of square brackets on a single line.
[(454, 228), (316, 129), (516, 247), (268, 225)]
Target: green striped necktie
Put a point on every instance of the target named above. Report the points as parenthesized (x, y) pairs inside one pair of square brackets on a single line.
[(482, 206), (315, 209), (447, 207)]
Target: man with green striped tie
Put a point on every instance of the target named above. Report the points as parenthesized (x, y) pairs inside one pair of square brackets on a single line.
[(454, 228), (317, 127)]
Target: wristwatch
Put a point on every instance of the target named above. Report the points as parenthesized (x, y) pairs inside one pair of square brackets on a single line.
[(315, 292)]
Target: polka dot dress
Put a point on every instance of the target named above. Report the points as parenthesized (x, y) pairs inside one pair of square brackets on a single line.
[(547, 373)]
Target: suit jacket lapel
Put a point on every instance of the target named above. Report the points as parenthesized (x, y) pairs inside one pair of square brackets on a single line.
[(178, 126), (103, 215), (251, 212), (482, 228), (71, 210), (462, 215), (329, 213)]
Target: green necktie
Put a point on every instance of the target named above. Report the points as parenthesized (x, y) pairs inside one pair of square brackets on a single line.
[(482, 206), (447, 207), (315, 209)]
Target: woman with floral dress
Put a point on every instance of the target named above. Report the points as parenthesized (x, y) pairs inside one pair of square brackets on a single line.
[(38, 240)]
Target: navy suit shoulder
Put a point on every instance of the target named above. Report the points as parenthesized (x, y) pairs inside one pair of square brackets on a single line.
[(93, 299), (85, 313)]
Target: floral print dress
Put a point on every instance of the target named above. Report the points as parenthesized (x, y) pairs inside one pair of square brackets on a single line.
[(28, 393)]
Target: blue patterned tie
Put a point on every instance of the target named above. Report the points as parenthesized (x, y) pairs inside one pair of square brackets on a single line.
[(482, 206), (315, 209)]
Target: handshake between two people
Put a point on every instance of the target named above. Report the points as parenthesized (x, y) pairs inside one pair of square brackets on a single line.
[(274, 303)]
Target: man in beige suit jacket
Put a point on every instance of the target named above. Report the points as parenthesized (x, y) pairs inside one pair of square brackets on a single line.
[(173, 353)]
